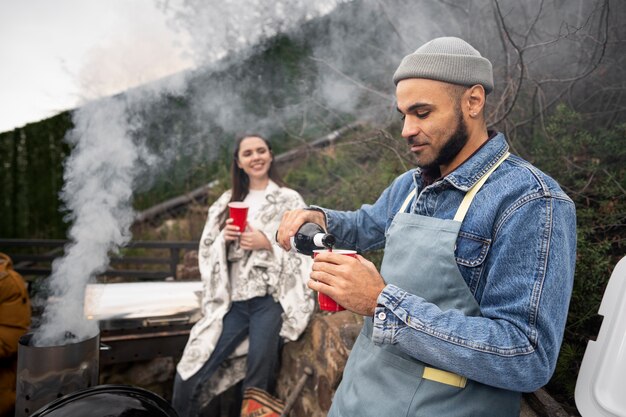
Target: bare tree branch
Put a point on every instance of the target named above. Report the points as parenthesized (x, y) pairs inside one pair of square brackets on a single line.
[(395, 29), (451, 4), (594, 65), (520, 65)]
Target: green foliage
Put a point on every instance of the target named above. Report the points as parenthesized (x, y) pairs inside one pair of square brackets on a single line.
[(563, 382), (31, 172), (351, 173), (281, 61), (590, 166)]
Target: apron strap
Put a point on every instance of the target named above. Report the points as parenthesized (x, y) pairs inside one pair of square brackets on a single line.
[(469, 196), (467, 200), (407, 201)]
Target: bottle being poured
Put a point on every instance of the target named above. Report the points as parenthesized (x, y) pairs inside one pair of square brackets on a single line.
[(311, 236)]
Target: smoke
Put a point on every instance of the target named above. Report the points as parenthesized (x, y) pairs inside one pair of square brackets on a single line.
[(218, 28), (106, 164), (294, 67), (113, 68)]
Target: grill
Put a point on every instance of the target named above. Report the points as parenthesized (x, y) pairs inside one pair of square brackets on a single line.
[(143, 320), (47, 373), (109, 401), (138, 321)]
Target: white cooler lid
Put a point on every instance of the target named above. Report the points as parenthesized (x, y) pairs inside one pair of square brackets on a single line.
[(141, 299), (600, 387)]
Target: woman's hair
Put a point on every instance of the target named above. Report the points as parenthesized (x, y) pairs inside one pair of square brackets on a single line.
[(239, 179)]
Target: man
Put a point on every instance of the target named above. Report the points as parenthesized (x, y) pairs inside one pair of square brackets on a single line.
[(470, 304)]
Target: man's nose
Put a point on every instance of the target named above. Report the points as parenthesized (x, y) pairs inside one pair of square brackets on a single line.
[(410, 127)]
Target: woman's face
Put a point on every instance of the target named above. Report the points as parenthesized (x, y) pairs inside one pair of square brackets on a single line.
[(254, 157)]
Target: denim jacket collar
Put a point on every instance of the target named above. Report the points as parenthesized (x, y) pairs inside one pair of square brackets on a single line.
[(469, 172)]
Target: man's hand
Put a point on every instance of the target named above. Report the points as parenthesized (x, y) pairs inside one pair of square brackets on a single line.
[(291, 222), (352, 282)]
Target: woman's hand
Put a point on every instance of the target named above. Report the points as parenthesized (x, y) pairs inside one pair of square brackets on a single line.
[(231, 232), (253, 239)]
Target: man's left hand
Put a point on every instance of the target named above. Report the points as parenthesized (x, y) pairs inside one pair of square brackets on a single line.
[(354, 283)]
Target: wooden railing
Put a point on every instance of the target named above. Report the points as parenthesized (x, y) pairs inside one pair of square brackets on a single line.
[(32, 258)]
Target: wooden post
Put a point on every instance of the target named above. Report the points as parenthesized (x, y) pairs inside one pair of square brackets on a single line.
[(174, 254)]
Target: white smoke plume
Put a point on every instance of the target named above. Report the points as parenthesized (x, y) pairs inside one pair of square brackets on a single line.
[(98, 178), (105, 164)]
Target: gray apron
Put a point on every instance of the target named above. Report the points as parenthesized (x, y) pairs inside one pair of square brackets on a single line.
[(384, 381)]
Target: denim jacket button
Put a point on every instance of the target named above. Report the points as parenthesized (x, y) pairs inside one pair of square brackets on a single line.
[(382, 316)]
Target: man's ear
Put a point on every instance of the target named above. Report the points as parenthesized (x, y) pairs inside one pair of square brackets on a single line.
[(475, 100)]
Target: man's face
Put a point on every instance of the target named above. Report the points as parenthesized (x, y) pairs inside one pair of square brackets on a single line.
[(433, 121)]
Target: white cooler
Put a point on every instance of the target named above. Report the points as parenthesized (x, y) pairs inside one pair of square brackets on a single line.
[(601, 383)]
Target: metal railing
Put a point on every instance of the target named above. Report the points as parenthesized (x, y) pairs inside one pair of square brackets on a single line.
[(32, 264)]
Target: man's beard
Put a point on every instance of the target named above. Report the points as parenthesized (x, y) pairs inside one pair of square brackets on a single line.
[(451, 148)]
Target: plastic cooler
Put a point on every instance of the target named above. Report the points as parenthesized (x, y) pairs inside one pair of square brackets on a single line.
[(600, 389)]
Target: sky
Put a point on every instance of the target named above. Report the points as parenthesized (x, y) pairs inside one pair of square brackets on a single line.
[(55, 55)]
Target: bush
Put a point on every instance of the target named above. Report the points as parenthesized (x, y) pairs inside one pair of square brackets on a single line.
[(590, 167)]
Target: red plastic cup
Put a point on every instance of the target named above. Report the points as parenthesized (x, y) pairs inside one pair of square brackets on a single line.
[(238, 211), (326, 303)]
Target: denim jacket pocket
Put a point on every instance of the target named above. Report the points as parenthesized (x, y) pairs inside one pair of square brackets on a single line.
[(470, 253)]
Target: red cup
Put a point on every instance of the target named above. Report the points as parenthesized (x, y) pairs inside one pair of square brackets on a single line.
[(238, 211), (326, 303)]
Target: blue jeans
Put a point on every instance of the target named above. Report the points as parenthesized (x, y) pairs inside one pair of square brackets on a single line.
[(260, 319)]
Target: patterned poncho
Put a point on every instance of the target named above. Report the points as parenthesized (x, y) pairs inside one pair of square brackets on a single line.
[(285, 273)]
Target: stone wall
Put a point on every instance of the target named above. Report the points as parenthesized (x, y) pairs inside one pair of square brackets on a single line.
[(324, 348)]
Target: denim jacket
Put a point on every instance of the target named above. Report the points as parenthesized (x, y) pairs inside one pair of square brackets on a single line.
[(516, 251)]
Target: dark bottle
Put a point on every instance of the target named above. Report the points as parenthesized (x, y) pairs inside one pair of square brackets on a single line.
[(311, 236)]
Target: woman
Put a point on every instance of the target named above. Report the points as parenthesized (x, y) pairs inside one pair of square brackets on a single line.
[(255, 294)]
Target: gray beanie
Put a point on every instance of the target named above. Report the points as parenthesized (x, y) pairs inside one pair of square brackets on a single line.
[(448, 59)]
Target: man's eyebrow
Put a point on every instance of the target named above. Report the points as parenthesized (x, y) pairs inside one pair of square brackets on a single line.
[(414, 107)]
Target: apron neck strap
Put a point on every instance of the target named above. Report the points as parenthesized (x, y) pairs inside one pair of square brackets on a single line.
[(407, 201), (469, 196)]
